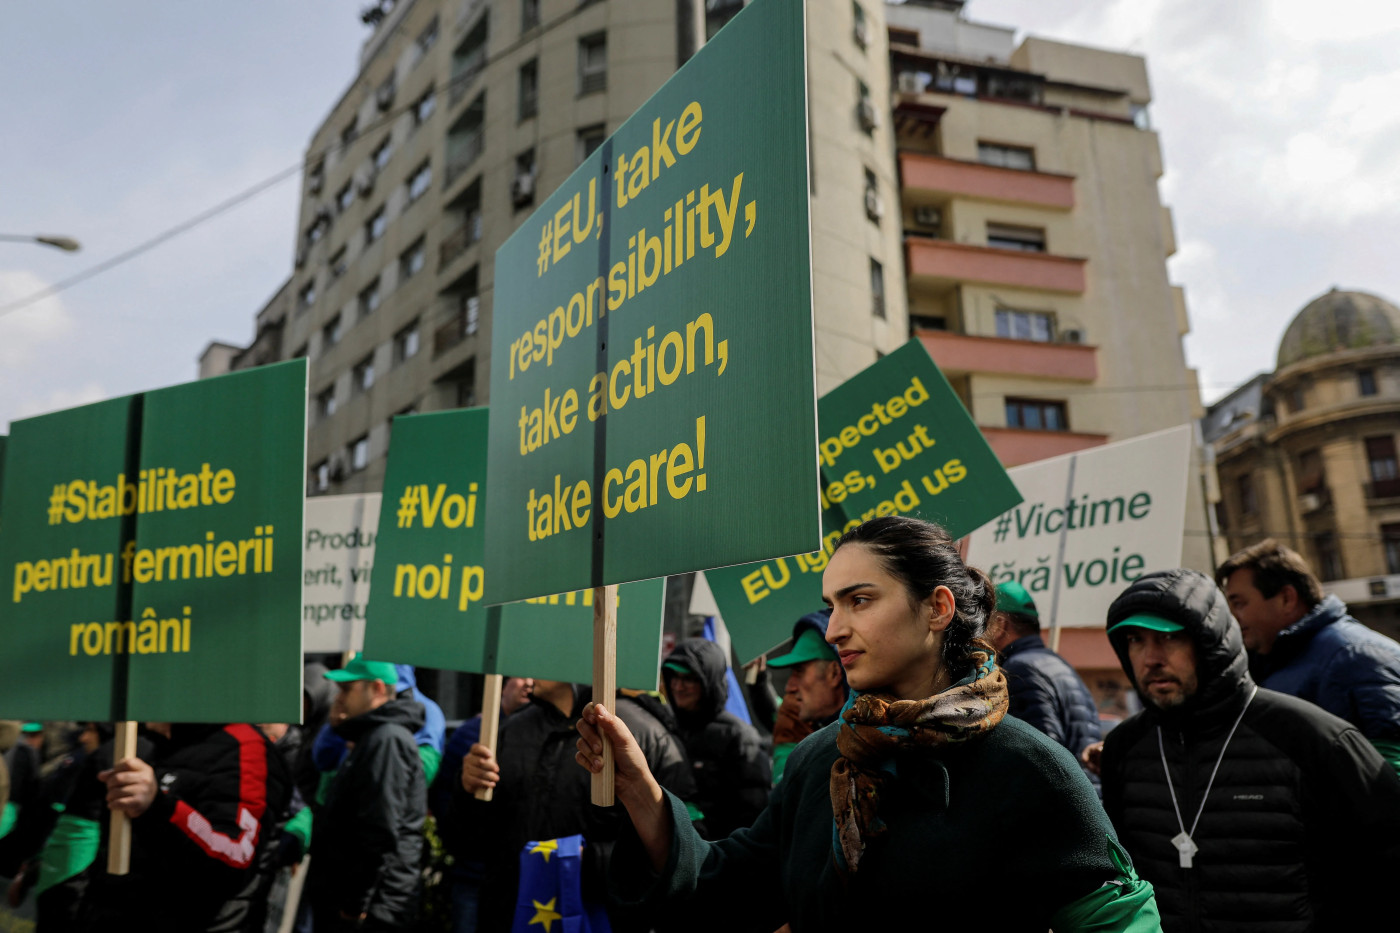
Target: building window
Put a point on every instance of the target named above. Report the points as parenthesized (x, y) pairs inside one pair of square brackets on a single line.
[(522, 187), (322, 474), (1366, 382), (300, 352), (1390, 540), (369, 298), (593, 63), (374, 227), (406, 343), (345, 197), (877, 288), (1310, 476), (337, 263), (866, 114), (874, 209), (1385, 471), (1025, 325), (330, 334), (1329, 559), (1008, 236), (359, 453), (428, 37), (362, 376), (1295, 399), (468, 61), (471, 310), (424, 106), (316, 177), (1036, 414), (860, 27), (466, 139), (420, 181), (307, 296), (382, 154), (1249, 499), (529, 14), (413, 259), (325, 402), (589, 139), (719, 12), (528, 99), (351, 132), (315, 232), (1017, 157)]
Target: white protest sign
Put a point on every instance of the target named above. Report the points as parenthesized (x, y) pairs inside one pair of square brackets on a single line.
[(1091, 523), (338, 555)]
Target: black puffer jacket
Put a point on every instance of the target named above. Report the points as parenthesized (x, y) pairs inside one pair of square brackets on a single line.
[(1303, 820), (544, 794), (1047, 694), (367, 841), (732, 771), (197, 850)]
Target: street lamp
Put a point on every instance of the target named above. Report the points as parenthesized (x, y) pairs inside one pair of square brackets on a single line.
[(65, 243)]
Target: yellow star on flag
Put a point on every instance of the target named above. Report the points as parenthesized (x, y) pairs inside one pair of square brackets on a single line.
[(546, 848), (545, 914)]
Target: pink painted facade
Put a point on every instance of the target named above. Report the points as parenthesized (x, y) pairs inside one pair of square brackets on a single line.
[(1015, 446), (963, 353), (945, 261), (922, 172)]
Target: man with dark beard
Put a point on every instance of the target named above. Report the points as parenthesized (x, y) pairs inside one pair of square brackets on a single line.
[(1242, 806)]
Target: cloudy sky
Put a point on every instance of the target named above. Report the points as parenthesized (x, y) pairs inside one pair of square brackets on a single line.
[(1280, 123)]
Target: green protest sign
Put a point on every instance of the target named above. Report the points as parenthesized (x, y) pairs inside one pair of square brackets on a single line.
[(651, 383), (149, 549), (895, 440), (425, 598)]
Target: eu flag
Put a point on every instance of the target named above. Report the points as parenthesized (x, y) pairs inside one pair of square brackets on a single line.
[(550, 899)]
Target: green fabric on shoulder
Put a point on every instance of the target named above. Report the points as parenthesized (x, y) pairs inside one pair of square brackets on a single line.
[(1390, 751), (432, 761), (1124, 905), (8, 817)]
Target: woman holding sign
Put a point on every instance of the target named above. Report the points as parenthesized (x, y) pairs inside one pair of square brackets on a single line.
[(922, 803)]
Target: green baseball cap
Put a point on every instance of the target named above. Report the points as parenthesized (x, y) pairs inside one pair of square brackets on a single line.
[(361, 669), (32, 727), (809, 646), (678, 667), (1012, 597), (1153, 623)]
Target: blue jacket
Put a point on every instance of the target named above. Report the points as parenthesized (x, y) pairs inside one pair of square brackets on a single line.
[(1330, 659), (1046, 693)]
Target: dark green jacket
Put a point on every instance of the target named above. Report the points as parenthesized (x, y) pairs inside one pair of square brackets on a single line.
[(994, 834)]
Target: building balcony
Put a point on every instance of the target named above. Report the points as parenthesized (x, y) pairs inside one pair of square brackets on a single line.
[(1379, 489), (1015, 446), (960, 179), (945, 263), (459, 241), (957, 354)]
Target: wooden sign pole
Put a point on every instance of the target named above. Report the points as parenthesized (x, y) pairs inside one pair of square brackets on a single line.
[(604, 680), (119, 840), (490, 720)]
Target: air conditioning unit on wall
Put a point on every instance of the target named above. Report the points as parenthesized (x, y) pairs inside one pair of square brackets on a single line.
[(874, 208), (1073, 335), (867, 114)]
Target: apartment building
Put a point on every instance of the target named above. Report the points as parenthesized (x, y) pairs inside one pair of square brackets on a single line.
[(1036, 245), (997, 200), (1307, 454)]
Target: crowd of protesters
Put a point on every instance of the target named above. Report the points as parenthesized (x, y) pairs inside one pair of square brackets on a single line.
[(927, 749)]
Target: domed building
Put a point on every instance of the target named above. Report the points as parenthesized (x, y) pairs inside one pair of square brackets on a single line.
[(1307, 454)]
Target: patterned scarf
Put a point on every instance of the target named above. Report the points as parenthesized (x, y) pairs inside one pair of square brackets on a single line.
[(875, 727)]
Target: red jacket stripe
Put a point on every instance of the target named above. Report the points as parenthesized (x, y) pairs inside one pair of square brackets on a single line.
[(252, 792)]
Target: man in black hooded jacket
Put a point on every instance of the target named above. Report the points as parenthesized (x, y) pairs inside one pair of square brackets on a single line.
[(1245, 808), (541, 793), (367, 840), (732, 772)]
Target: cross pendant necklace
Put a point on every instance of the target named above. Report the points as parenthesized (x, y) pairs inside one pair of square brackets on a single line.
[(1186, 847)]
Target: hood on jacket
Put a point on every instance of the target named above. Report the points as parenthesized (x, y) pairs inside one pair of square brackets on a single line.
[(1193, 601), (318, 693), (706, 660), (403, 711)]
